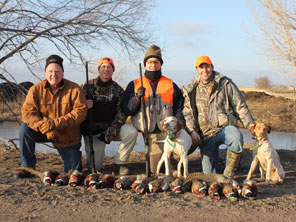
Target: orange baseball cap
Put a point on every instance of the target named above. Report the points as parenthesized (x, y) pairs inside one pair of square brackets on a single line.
[(106, 60), (203, 59)]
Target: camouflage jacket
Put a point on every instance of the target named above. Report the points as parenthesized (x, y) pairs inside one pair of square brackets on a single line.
[(225, 106), (107, 116)]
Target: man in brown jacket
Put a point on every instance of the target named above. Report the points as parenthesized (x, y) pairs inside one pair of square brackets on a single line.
[(52, 112)]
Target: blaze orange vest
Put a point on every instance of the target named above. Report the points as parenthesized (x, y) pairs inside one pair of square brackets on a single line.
[(158, 106)]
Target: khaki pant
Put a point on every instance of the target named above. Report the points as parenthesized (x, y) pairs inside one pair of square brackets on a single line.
[(155, 149), (128, 137)]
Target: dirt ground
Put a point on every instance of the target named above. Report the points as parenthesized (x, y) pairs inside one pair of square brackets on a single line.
[(29, 200)]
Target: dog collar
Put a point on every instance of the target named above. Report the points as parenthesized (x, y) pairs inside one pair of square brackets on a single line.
[(174, 135), (256, 147), (258, 138), (169, 142)]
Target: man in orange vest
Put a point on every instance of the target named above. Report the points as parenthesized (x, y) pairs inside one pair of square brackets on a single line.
[(162, 98)]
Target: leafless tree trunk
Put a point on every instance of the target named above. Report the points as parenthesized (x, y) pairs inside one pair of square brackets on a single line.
[(276, 19)]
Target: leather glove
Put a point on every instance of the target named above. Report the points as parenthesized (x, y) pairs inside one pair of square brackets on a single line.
[(102, 137), (112, 131), (140, 93), (46, 125)]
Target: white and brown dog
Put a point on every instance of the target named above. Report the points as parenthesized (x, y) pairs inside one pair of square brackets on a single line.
[(267, 156), (177, 141)]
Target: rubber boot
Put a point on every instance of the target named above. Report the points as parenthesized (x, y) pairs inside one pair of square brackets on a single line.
[(232, 160), (154, 159)]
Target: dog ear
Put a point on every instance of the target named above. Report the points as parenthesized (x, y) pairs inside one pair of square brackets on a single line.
[(268, 128), (252, 129), (179, 125)]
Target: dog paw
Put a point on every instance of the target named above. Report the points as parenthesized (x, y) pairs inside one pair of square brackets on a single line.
[(267, 182)]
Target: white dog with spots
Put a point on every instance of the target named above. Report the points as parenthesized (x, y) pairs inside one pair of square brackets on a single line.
[(177, 141), (267, 157)]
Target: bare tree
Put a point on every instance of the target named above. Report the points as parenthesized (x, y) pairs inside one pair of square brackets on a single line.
[(276, 19), (75, 28), (263, 82), (71, 26)]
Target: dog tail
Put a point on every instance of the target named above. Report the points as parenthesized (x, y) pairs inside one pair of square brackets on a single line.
[(209, 177)]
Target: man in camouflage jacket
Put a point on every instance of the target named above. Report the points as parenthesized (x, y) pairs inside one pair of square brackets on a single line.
[(108, 121), (213, 104)]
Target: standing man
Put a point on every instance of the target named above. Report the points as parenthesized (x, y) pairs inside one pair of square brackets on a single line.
[(213, 104), (108, 120), (53, 111), (162, 97)]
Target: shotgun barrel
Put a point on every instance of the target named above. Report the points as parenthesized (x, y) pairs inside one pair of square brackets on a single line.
[(145, 133), (89, 114)]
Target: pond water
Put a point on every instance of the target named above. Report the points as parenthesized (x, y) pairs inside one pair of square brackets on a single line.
[(280, 140)]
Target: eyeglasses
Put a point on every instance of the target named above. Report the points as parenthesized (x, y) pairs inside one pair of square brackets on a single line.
[(156, 62)]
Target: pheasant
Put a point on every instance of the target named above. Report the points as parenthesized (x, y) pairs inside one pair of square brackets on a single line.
[(47, 177), (91, 180), (249, 190), (62, 180), (177, 185), (124, 182), (76, 178), (106, 181), (140, 186), (230, 192), (199, 188), (160, 184), (215, 190)]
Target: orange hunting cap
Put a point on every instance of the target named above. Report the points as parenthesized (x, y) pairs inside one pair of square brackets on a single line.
[(203, 59), (106, 60)]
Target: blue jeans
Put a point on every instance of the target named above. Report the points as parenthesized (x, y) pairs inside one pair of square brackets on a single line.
[(231, 136), (28, 138)]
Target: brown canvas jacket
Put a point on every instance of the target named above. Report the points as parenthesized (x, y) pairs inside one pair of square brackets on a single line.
[(67, 107)]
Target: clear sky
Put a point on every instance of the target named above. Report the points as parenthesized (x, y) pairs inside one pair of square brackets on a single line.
[(219, 29), (187, 29)]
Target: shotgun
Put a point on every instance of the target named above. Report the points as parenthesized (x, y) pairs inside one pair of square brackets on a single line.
[(89, 115), (145, 133)]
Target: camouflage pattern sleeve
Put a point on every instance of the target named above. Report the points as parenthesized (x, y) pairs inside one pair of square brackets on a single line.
[(190, 121), (239, 105)]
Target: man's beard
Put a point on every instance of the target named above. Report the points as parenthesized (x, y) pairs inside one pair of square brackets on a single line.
[(153, 75)]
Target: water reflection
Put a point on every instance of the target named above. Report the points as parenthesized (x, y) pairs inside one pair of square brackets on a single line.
[(10, 130), (280, 140)]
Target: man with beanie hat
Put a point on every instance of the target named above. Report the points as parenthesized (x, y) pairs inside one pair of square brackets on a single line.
[(108, 120), (162, 97), (213, 104), (52, 112)]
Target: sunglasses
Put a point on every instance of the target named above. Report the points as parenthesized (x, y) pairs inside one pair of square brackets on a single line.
[(156, 62)]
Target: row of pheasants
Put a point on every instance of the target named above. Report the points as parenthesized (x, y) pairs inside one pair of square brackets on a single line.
[(214, 185)]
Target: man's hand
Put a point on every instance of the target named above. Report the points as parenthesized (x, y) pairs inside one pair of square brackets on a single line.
[(140, 93), (52, 135), (46, 125), (195, 138), (102, 137), (89, 103)]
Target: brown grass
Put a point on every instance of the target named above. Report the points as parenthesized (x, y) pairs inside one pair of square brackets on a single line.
[(11, 111)]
